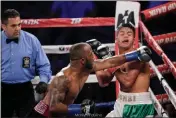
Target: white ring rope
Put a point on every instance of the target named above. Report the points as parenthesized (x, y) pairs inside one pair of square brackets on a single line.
[(165, 85), (158, 107)]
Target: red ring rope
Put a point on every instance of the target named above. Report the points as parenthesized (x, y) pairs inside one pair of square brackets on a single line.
[(157, 48), (98, 21), (164, 69), (162, 97), (157, 11), (165, 38), (67, 22)]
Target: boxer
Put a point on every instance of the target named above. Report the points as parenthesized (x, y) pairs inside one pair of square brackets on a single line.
[(67, 84), (134, 78)]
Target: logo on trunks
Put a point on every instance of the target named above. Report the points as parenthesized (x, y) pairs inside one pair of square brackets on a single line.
[(126, 98), (26, 62), (126, 18)]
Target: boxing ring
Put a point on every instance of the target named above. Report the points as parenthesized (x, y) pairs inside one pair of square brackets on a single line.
[(154, 42)]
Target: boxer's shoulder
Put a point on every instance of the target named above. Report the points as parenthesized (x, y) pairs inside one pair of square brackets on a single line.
[(60, 82), (61, 73), (61, 77)]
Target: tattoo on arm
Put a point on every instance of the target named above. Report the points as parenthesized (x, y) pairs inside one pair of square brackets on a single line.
[(58, 90)]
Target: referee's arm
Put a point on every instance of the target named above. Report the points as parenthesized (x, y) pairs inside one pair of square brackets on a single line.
[(43, 66)]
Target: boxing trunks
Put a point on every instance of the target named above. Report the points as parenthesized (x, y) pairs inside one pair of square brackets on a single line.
[(42, 109), (133, 105)]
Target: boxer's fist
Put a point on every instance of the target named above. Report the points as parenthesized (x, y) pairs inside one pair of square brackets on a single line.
[(41, 87), (103, 52), (94, 43), (142, 54), (88, 107)]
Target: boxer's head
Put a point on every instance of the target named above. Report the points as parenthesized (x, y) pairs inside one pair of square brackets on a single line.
[(11, 23), (125, 37), (82, 53)]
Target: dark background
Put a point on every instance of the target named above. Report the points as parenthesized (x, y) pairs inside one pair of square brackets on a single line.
[(60, 36)]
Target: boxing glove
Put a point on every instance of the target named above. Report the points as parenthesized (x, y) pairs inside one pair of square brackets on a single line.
[(41, 87), (142, 54), (94, 43), (103, 52)]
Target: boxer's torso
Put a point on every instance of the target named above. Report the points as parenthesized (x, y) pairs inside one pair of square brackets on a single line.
[(135, 74), (75, 87)]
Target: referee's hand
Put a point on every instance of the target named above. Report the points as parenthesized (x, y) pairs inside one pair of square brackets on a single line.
[(41, 87)]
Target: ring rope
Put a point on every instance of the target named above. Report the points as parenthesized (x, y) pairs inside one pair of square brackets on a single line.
[(153, 44), (150, 40), (165, 85), (157, 105), (63, 49), (163, 68), (165, 38), (157, 11), (98, 21)]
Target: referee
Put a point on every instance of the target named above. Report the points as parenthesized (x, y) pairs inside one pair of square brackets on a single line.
[(22, 59)]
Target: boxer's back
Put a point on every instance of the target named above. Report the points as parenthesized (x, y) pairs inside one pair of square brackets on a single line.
[(68, 84)]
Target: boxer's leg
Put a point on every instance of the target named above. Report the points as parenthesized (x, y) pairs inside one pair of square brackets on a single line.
[(117, 112)]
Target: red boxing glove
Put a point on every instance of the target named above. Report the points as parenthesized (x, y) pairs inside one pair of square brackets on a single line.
[(42, 108)]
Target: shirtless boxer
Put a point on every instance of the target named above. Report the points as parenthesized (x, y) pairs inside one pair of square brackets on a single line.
[(134, 78), (67, 84)]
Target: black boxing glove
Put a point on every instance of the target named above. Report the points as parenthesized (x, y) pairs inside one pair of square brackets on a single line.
[(142, 54), (101, 51), (41, 87), (88, 107), (94, 43), (104, 52)]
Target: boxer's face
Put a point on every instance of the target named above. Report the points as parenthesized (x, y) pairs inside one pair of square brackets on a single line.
[(125, 38), (13, 27)]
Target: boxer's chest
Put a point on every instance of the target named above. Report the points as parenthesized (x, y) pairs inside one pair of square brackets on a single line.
[(126, 68)]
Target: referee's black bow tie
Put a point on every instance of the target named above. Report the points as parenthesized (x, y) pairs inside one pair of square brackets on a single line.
[(9, 40)]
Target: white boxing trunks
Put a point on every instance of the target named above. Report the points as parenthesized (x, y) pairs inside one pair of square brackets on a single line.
[(133, 105)]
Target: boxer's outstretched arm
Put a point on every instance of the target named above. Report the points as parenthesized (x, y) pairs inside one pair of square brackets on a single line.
[(57, 92), (141, 54), (114, 61)]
